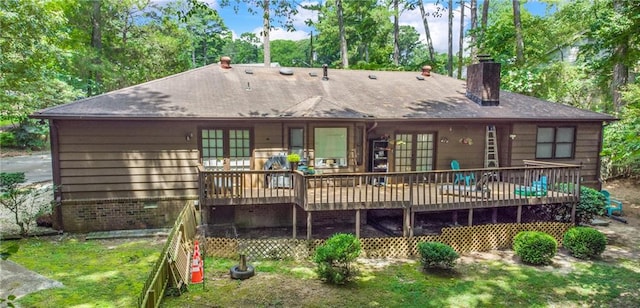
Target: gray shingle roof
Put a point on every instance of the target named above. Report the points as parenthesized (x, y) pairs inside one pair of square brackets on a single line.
[(211, 92)]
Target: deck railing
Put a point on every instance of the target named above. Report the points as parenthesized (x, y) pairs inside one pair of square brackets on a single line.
[(535, 183)]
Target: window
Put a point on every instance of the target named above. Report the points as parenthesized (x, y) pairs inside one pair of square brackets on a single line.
[(555, 142), (296, 141), (330, 146), (233, 144)]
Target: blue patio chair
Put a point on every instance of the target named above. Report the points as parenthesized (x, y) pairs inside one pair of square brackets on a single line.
[(538, 188), (611, 205), (460, 176)]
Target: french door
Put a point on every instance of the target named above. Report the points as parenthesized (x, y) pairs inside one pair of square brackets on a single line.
[(414, 152), (226, 149)]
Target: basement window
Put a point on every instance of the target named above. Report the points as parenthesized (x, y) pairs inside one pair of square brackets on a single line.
[(555, 142)]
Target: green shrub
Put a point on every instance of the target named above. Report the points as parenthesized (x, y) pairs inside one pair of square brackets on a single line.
[(7, 139), (584, 242), (31, 135), (535, 247), (334, 258), (592, 203), (434, 254)]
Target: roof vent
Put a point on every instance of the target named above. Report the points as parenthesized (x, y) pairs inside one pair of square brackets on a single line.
[(426, 70), (373, 77), (325, 72), (419, 77), (225, 62), (286, 71), (248, 71), (313, 74)]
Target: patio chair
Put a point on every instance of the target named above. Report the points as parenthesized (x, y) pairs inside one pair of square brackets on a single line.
[(460, 176), (537, 189), (611, 205)]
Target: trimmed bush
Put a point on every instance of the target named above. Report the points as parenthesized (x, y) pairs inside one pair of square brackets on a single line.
[(434, 254), (535, 247), (584, 242), (333, 259)]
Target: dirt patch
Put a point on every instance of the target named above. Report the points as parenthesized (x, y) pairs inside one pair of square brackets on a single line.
[(624, 239)]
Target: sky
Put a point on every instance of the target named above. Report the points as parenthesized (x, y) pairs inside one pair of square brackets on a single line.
[(242, 22)]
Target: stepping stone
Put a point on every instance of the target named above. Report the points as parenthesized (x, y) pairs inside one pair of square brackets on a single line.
[(599, 222)]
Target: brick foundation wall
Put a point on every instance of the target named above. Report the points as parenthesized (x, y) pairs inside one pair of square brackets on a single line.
[(122, 214)]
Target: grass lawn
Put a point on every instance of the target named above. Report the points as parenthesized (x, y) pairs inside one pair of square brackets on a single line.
[(478, 284), (98, 273), (112, 273)]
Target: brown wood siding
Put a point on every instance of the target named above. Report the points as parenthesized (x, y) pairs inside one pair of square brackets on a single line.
[(469, 156), (132, 159), (587, 148), (268, 141)]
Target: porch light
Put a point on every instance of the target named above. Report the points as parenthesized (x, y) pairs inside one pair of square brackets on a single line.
[(188, 136)]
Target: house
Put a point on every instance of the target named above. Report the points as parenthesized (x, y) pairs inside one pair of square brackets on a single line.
[(381, 143)]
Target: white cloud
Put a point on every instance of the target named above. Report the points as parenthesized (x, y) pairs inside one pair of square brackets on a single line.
[(304, 15), (281, 34), (438, 26)]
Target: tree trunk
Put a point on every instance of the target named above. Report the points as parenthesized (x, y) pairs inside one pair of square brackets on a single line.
[(620, 70), (518, 27), (396, 33), (427, 32), (461, 40), (485, 19), (343, 39), (204, 53), (96, 44), (266, 42), (474, 24), (450, 49), (485, 14)]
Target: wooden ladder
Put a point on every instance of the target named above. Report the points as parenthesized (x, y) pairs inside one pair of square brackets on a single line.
[(491, 148)]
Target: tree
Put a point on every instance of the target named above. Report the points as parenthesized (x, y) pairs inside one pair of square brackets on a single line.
[(367, 38), (208, 36), (23, 202), (30, 58), (408, 44), (344, 55), (244, 49), (450, 40), (425, 23), (289, 53), (396, 33), (518, 29), (461, 40), (473, 14), (280, 12)]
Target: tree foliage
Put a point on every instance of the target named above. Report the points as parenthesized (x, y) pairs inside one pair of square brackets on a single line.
[(22, 201), (582, 53), (31, 51)]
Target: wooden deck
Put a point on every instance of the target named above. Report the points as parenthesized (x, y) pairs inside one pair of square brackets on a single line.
[(417, 191)]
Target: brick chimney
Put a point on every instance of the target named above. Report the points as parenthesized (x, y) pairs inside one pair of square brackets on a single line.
[(483, 82)]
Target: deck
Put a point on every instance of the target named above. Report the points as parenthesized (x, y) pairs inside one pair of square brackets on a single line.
[(417, 191)]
